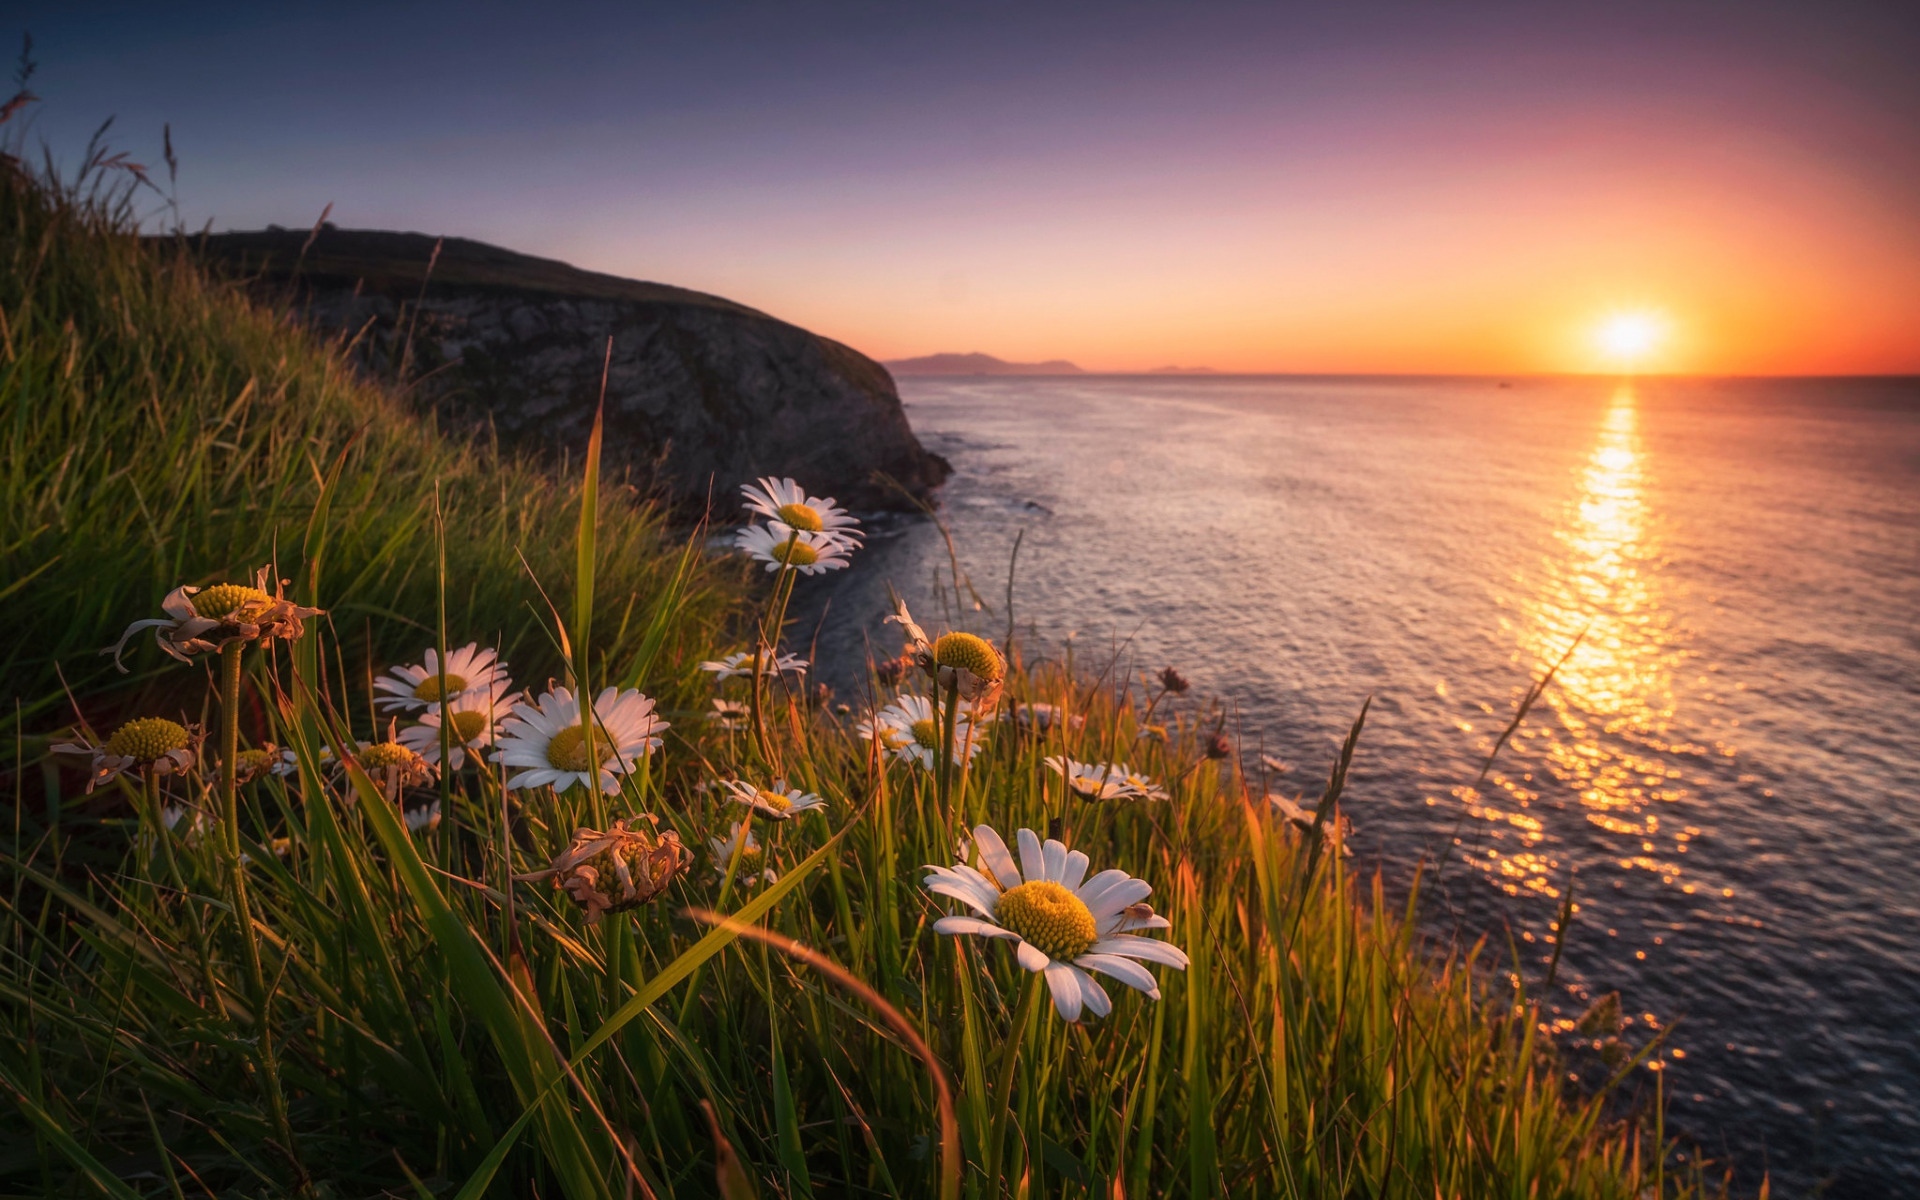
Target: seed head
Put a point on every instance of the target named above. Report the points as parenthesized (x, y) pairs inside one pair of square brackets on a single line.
[(966, 652), (1173, 681), (1049, 917), (145, 739)]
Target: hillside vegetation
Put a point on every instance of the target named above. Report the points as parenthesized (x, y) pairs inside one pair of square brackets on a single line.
[(336, 973)]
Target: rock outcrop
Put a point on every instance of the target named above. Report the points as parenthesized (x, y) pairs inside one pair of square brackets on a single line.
[(702, 394)]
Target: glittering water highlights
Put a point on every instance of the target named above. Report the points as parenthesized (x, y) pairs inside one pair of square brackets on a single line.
[(1724, 763)]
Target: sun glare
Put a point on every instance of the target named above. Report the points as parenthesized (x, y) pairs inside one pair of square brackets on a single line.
[(1627, 340)]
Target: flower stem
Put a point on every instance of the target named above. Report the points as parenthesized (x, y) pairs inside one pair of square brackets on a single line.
[(1003, 1092), (237, 884)]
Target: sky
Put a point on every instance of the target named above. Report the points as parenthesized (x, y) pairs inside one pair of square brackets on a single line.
[(1465, 187)]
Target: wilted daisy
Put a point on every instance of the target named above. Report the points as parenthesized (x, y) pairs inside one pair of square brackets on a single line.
[(393, 765), (548, 741), (200, 620), (417, 685), (622, 868), (908, 728), (797, 550), (964, 661), (1092, 781), (787, 507), (739, 666), (144, 746), (1061, 923), (269, 759), (477, 713), (778, 802), (751, 866)]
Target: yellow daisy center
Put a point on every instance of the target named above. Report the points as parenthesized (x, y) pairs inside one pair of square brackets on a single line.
[(969, 653), (227, 598), (147, 739), (468, 725), (927, 732), (252, 762), (567, 751), (381, 755), (795, 553), (428, 689), (802, 516), (776, 801), (1052, 919)]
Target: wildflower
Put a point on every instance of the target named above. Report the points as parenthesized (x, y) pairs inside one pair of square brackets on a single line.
[(144, 745), (268, 759), (907, 728), (778, 802), (393, 765), (622, 868), (1042, 717), (426, 816), (200, 620), (962, 661), (475, 721), (1141, 786), (797, 550), (893, 670), (1304, 819), (469, 669), (1218, 747), (741, 853), (787, 508), (549, 741), (1060, 922), (729, 714), (1092, 781), (1173, 682), (740, 665)]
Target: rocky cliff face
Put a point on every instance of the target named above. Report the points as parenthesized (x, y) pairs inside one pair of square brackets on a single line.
[(702, 394)]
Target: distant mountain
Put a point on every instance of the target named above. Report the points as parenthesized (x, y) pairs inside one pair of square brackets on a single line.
[(1183, 371), (977, 364)]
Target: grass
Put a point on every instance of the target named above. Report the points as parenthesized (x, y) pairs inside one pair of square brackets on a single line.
[(420, 1024)]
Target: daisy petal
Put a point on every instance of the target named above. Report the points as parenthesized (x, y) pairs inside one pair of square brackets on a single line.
[(1056, 856), (1141, 948), (1098, 1002), (1124, 969), (973, 925), (1033, 860), (1031, 957), (1074, 871), (1117, 897), (1063, 981), (1091, 891), (993, 852)]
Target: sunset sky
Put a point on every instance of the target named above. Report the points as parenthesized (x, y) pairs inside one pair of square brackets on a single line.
[(1469, 187)]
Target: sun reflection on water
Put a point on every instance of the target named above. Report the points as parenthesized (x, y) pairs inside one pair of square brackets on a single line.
[(1602, 729)]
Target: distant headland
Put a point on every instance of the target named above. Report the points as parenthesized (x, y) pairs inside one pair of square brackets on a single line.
[(977, 364)]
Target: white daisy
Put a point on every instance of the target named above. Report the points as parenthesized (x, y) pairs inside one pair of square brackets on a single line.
[(477, 714), (787, 507), (426, 817), (965, 661), (546, 740), (729, 714), (778, 802), (417, 686), (752, 865), (1141, 786), (907, 728), (740, 666), (794, 550), (1092, 781), (1061, 922)]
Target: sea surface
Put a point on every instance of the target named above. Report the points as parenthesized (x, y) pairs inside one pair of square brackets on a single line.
[(1726, 764)]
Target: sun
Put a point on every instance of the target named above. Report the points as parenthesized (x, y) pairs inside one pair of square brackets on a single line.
[(1629, 339)]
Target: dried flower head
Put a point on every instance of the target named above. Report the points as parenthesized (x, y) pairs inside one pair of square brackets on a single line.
[(962, 661), (1218, 747), (143, 746), (202, 620), (622, 868), (1174, 682), (267, 759)]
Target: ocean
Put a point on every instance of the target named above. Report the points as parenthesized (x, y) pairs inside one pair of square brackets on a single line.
[(1726, 764)]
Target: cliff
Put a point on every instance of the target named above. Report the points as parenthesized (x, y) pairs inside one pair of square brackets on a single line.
[(703, 394)]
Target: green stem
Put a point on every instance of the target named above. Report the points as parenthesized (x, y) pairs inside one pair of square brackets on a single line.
[(237, 883), (1003, 1092)]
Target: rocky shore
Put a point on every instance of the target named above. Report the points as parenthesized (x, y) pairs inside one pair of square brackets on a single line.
[(702, 393)]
